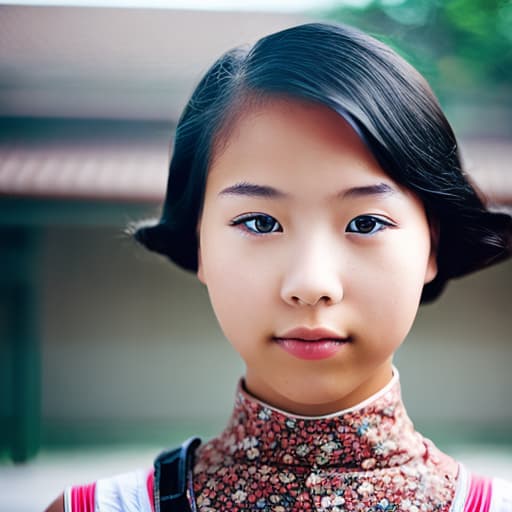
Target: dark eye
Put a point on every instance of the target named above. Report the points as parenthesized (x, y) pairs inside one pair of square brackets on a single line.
[(367, 225), (260, 224)]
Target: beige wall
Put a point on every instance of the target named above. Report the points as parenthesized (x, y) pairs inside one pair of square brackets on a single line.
[(126, 335)]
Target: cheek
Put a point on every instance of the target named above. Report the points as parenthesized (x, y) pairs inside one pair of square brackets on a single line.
[(389, 291), (241, 289)]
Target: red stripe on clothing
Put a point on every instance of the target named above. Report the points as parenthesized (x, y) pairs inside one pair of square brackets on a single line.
[(479, 495), (82, 498), (149, 486)]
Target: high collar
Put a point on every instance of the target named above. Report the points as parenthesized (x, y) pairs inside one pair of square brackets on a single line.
[(377, 433)]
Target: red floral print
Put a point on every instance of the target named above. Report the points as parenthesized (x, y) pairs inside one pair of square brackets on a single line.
[(367, 458)]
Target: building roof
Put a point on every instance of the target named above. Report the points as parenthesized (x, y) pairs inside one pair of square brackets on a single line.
[(116, 172), (126, 162)]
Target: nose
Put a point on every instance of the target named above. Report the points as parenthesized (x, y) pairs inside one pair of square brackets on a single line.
[(313, 276)]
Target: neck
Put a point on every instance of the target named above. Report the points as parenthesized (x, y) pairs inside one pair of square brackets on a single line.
[(344, 397)]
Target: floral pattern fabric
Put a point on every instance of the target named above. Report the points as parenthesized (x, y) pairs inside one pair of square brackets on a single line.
[(368, 458)]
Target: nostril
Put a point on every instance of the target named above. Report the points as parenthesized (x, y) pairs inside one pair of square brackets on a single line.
[(306, 294), (301, 302)]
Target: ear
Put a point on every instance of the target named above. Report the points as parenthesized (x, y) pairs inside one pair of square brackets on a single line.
[(200, 271), (431, 270)]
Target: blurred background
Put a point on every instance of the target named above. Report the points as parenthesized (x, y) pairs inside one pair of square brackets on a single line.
[(109, 354)]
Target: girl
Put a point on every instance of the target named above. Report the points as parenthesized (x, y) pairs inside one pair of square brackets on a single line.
[(316, 190)]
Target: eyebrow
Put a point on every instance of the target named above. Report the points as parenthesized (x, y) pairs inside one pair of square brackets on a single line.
[(264, 191), (382, 189), (252, 190)]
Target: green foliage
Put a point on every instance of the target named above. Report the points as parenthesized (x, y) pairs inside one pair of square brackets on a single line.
[(463, 47)]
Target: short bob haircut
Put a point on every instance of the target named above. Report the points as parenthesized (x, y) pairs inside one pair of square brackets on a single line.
[(385, 100)]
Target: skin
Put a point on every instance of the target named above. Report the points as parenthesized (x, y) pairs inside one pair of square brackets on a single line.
[(312, 256), (57, 505)]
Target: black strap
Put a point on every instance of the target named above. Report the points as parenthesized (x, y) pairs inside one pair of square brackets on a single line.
[(172, 470)]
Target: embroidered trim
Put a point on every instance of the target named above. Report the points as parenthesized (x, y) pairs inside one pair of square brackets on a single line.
[(150, 485), (82, 498), (461, 490), (479, 495), (67, 500)]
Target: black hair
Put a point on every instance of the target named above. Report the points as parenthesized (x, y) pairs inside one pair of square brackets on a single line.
[(387, 102)]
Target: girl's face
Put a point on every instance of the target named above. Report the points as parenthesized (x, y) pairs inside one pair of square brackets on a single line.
[(302, 231)]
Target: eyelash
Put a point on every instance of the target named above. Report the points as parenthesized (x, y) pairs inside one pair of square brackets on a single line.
[(246, 219), (253, 217), (379, 221)]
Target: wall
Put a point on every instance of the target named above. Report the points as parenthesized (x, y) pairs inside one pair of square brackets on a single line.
[(126, 337)]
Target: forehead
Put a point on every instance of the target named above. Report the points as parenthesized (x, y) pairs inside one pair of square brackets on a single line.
[(285, 138)]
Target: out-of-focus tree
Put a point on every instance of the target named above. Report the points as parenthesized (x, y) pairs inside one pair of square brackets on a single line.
[(463, 47)]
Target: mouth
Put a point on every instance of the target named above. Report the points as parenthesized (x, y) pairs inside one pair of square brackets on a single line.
[(311, 344), (312, 335)]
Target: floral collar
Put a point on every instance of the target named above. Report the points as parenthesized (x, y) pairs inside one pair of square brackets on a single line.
[(376, 433), (368, 457)]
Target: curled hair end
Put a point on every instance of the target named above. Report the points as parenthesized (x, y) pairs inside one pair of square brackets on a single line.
[(180, 248)]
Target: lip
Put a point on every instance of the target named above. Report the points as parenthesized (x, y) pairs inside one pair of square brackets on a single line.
[(311, 344), (308, 334)]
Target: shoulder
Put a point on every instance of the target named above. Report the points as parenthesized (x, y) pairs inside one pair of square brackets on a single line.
[(129, 492), (476, 493)]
